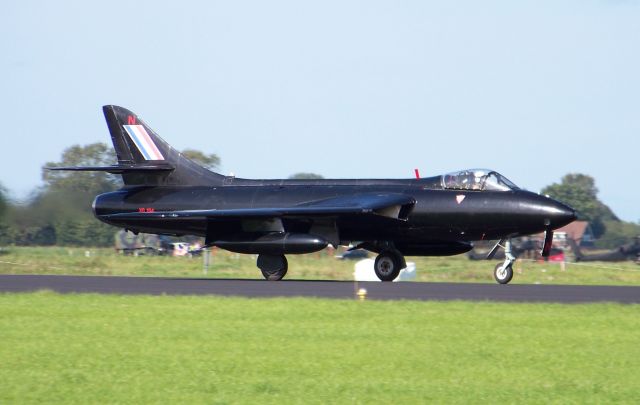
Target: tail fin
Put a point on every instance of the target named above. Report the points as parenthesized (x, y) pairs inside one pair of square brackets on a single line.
[(145, 159), (138, 145)]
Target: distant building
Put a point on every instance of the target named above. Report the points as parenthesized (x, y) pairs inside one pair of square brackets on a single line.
[(579, 231)]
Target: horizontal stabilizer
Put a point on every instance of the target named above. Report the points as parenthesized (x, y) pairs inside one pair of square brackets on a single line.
[(118, 169)]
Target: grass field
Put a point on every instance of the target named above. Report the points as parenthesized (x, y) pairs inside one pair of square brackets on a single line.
[(319, 266), (141, 349)]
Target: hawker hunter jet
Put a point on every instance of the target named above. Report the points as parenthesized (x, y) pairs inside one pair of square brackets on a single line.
[(166, 193)]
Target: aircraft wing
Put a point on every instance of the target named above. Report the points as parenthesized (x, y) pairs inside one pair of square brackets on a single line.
[(391, 205)]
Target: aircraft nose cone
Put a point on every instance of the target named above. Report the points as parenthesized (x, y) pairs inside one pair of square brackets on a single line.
[(560, 215)]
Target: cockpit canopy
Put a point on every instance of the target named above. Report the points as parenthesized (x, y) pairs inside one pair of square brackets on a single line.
[(478, 180)]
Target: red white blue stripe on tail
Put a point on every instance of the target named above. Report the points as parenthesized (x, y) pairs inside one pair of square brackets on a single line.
[(143, 141)]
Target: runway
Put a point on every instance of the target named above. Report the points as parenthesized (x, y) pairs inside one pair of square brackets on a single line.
[(321, 289)]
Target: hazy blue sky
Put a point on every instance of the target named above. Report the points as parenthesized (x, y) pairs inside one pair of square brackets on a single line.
[(533, 89)]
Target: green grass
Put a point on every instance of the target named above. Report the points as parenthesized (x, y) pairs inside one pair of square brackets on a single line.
[(140, 349), (317, 266)]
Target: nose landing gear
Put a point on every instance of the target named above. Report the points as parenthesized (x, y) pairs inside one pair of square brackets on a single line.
[(503, 272)]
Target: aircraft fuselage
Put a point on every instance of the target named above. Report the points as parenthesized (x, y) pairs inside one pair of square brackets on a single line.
[(439, 215)]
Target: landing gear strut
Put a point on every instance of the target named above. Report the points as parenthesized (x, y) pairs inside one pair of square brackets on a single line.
[(273, 267), (388, 265), (503, 272)]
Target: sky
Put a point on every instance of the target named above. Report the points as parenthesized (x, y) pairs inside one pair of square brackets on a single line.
[(345, 89)]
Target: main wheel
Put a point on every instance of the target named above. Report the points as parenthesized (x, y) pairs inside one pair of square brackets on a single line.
[(388, 265), (273, 267), (503, 274)]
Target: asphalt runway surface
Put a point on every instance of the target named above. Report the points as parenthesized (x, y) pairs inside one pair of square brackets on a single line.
[(321, 289)]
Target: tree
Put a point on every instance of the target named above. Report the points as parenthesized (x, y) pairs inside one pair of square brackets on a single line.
[(4, 229), (305, 175), (60, 212), (618, 233), (580, 192), (210, 161), (3, 201)]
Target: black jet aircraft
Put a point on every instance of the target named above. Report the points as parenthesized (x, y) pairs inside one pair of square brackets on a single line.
[(166, 193)]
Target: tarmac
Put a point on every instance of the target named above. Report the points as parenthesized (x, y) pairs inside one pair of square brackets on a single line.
[(320, 289)]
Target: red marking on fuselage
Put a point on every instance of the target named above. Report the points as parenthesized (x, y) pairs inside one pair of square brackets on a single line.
[(146, 209), (417, 173)]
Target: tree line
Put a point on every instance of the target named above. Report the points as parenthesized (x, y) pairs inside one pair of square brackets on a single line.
[(59, 212)]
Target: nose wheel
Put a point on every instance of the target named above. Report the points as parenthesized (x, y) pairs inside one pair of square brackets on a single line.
[(503, 272)]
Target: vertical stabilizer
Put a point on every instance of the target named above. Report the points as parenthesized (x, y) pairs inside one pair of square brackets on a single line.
[(137, 145)]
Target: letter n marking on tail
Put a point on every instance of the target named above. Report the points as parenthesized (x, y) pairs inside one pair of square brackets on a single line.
[(131, 120)]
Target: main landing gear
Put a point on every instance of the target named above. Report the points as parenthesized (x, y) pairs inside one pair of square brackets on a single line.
[(273, 267), (503, 272), (388, 265)]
